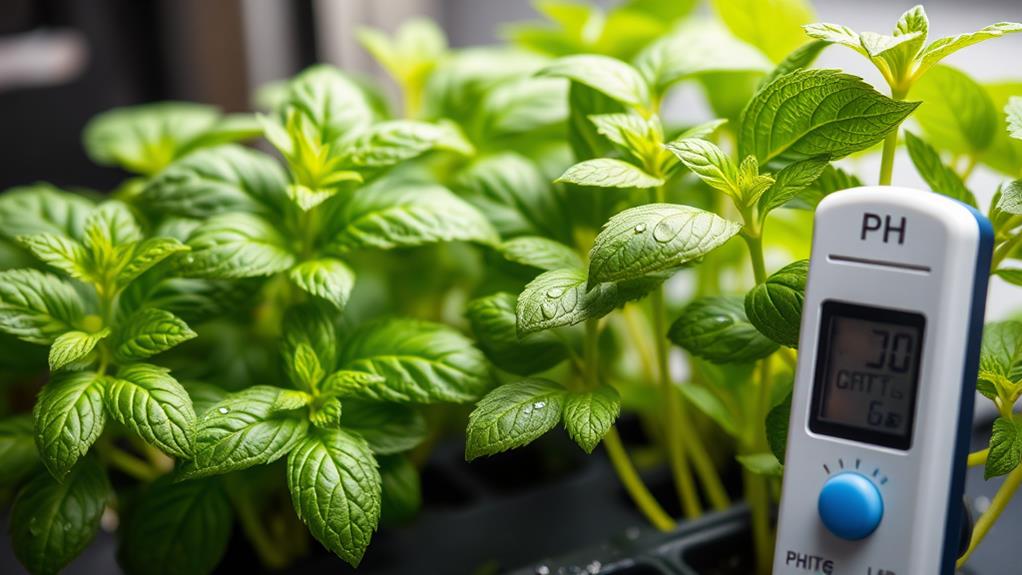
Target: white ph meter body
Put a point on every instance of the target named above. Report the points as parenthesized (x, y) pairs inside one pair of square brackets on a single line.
[(881, 411)]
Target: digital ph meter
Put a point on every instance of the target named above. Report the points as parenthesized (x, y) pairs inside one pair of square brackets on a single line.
[(881, 411)]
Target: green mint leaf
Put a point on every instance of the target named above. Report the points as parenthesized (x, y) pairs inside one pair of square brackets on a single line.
[(811, 113), (243, 430), (60, 252), (389, 214), (607, 75), (305, 365), (327, 278), (331, 103), (388, 143), (655, 238), (1012, 276), (335, 487), (702, 131), (37, 307), (715, 328), (148, 332), (609, 173), (1013, 111), (751, 184), (774, 28), (956, 113), (421, 362), (588, 415), (761, 464), (52, 522), (526, 105), (712, 406), (835, 34), (1001, 352), (494, 324), (944, 47), (68, 417), (291, 399), (513, 415), (514, 195), (147, 400), (110, 225), (777, 422), (831, 180), (177, 527), (560, 298), (540, 253), (73, 346), (349, 383), (696, 48), (1010, 200), (204, 395), (388, 428), (146, 254), (1005, 448), (43, 209), (308, 326), (630, 131), (940, 177), (238, 245), (326, 412), (709, 163), (583, 103), (17, 449), (402, 490), (145, 139), (223, 179), (791, 180), (775, 306), (416, 47)]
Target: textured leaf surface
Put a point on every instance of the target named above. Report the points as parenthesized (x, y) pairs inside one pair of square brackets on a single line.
[(389, 143), (775, 306), (391, 214), (608, 75), (1011, 198), (238, 245), (777, 428), (387, 427), (177, 527), (513, 415), (421, 362), (59, 251), (43, 209), (37, 307), (73, 346), (1005, 448), (17, 449), (539, 252), (147, 400), (716, 329), (494, 324), (69, 417), (243, 430), (609, 173), (52, 522), (327, 278), (146, 254), (817, 113), (655, 238), (791, 180), (308, 326), (939, 176), (1001, 352), (149, 332), (335, 487), (589, 415), (708, 162)]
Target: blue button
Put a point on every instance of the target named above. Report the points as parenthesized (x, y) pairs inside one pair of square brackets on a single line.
[(851, 506)]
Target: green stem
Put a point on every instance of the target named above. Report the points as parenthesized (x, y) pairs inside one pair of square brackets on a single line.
[(969, 167), (129, 464), (629, 477), (1004, 251), (997, 506), (706, 471), (267, 549), (758, 495), (755, 243), (683, 482), (591, 350), (890, 145), (978, 458)]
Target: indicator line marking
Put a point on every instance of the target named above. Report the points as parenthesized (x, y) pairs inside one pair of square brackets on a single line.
[(883, 481), (878, 263), (827, 469), (841, 463), (876, 472), (857, 462)]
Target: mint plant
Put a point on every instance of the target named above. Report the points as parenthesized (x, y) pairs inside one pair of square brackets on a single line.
[(275, 335)]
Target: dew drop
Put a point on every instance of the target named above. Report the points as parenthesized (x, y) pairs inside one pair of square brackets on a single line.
[(224, 410), (539, 405), (639, 228), (542, 570), (554, 293), (594, 567), (667, 230), (549, 309)]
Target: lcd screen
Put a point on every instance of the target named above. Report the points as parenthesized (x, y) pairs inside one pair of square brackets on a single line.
[(867, 374)]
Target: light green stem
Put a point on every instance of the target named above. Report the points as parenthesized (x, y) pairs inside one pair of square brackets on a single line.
[(629, 477), (890, 145), (1004, 251), (978, 458), (990, 516), (129, 464)]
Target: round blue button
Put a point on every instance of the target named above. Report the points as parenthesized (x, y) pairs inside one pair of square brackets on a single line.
[(850, 506)]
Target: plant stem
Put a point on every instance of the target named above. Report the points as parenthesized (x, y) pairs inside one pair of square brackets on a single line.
[(129, 464), (997, 506), (673, 421), (978, 458), (645, 501), (590, 350), (706, 471), (1004, 251), (890, 145), (267, 550)]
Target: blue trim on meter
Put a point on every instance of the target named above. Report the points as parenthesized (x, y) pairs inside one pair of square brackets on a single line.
[(952, 531)]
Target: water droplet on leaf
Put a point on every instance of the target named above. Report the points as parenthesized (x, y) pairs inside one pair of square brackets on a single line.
[(539, 404), (554, 293), (639, 228), (224, 410), (542, 570)]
